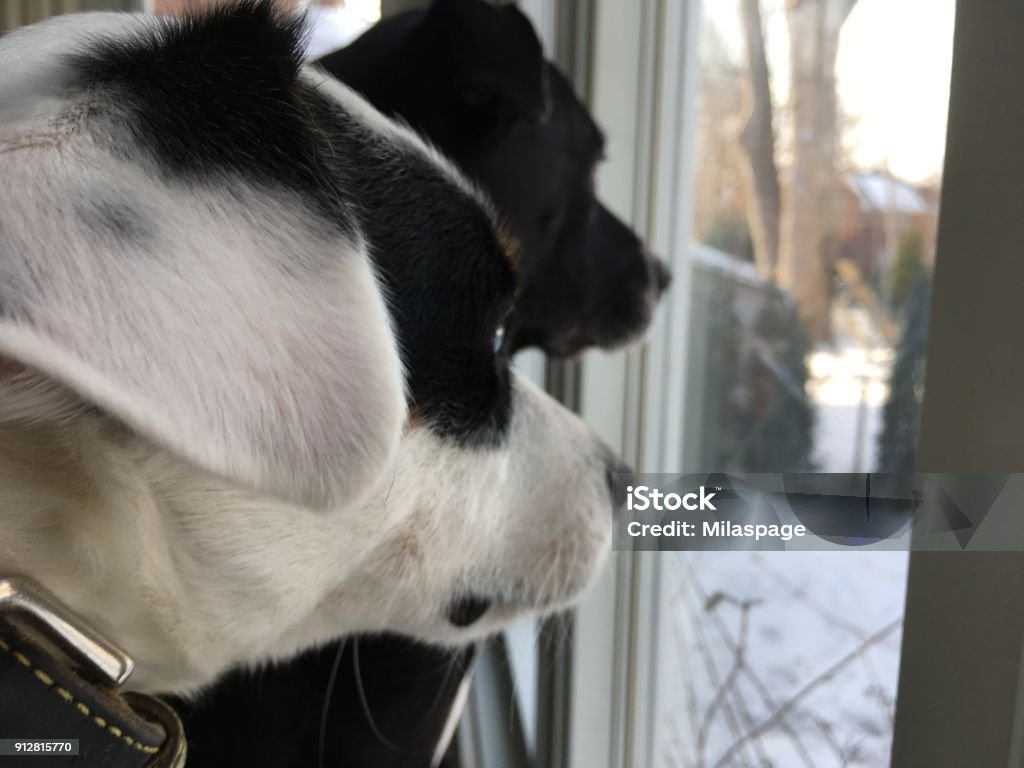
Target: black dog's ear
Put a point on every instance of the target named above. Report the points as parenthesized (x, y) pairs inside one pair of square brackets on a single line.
[(496, 54)]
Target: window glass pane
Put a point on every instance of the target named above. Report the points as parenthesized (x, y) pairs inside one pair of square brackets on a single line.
[(819, 147)]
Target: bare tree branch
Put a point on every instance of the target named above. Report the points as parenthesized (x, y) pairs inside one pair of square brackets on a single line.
[(764, 202), (733, 647), (808, 222), (811, 685)]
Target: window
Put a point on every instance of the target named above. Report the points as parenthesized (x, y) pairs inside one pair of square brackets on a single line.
[(806, 238), (819, 135)]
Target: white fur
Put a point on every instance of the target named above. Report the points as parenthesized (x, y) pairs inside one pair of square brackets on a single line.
[(193, 575), (223, 284), (33, 65), (244, 352)]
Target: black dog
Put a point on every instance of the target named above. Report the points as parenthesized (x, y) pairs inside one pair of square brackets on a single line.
[(471, 77)]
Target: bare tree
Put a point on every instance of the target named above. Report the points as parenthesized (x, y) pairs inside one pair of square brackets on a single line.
[(806, 241), (764, 201), (719, 189), (792, 232)]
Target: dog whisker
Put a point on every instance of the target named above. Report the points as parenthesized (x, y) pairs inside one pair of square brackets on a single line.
[(325, 713), (358, 673)]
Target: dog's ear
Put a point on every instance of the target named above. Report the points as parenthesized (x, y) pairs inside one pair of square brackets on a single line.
[(245, 357), (244, 352), (496, 53), (172, 252)]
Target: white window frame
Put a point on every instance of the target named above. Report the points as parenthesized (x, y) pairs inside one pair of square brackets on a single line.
[(643, 91), (962, 664)]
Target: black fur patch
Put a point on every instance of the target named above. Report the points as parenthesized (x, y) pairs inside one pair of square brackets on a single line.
[(218, 97), (586, 277), (209, 95), (449, 283), (455, 71)]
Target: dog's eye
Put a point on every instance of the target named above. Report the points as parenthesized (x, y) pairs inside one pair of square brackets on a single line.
[(551, 221), (499, 338)]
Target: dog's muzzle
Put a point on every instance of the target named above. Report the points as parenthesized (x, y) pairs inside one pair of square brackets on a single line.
[(59, 690)]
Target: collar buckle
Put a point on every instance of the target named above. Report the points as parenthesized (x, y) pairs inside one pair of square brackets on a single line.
[(73, 635)]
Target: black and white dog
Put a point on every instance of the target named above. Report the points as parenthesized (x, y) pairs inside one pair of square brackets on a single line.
[(471, 76), (254, 388)]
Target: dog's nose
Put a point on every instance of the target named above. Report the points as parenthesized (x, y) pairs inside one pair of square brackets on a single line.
[(662, 274)]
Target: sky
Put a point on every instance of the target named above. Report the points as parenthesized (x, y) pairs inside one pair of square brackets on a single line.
[(895, 58)]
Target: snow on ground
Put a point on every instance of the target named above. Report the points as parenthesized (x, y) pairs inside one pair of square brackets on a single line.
[(787, 658), (849, 387), (791, 658)]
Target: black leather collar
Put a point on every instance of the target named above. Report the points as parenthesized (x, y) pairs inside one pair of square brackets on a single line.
[(45, 694)]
